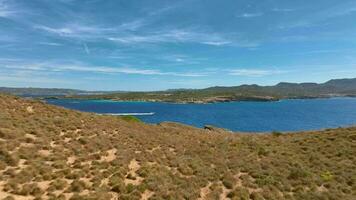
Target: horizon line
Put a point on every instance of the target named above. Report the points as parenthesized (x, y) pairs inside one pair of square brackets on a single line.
[(85, 90)]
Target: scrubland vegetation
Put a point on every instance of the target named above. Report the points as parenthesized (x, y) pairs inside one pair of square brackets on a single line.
[(48, 152)]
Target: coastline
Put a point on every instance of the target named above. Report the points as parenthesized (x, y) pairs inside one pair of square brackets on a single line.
[(201, 101), (218, 129), (234, 116)]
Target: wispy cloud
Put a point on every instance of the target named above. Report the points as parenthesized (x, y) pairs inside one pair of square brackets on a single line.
[(283, 10), (25, 79), (9, 60), (343, 10), (132, 25), (254, 72), (125, 70), (180, 59), (83, 30), (319, 18), (123, 34), (50, 43), (59, 31), (251, 15), (217, 43), (78, 67), (173, 36), (86, 49), (76, 31), (5, 9), (163, 10)]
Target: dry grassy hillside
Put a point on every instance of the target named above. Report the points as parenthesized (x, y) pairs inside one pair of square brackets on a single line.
[(48, 152)]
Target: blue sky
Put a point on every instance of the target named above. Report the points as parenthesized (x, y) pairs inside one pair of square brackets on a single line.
[(161, 44)]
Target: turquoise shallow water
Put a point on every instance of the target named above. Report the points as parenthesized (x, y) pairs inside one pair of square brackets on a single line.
[(285, 115)]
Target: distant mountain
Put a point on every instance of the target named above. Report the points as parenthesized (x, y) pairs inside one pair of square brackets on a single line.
[(283, 90), (332, 88), (337, 87)]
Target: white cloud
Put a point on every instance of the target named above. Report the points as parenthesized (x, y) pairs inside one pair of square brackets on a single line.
[(253, 72)]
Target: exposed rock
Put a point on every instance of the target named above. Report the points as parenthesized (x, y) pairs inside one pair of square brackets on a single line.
[(215, 129), (29, 109)]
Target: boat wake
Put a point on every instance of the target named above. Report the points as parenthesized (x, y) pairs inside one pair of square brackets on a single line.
[(127, 114)]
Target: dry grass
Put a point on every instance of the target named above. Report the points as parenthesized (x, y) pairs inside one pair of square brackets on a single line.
[(48, 152)]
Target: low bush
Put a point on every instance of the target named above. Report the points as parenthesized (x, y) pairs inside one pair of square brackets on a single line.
[(130, 118), (76, 186), (276, 133)]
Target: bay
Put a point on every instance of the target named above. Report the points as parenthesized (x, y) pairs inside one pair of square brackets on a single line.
[(284, 115)]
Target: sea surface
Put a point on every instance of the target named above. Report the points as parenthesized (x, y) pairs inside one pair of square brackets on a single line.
[(284, 115)]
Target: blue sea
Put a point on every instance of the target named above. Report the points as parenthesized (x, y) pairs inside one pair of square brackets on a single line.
[(284, 115)]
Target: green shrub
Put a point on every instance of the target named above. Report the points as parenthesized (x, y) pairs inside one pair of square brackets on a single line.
[(265, 180), (130, 118), (297, 173), (8, 158), (9, 198), (77, 186), (262, 151), (130, 188), (119, 188), (276, 133), (131, 177), (77, 197), (59, 184), (32, 189), (256, 196), (239, 193), (327, 176)]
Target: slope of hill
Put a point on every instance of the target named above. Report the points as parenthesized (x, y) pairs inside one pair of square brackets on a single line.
[(333, 88), (48, 152)]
